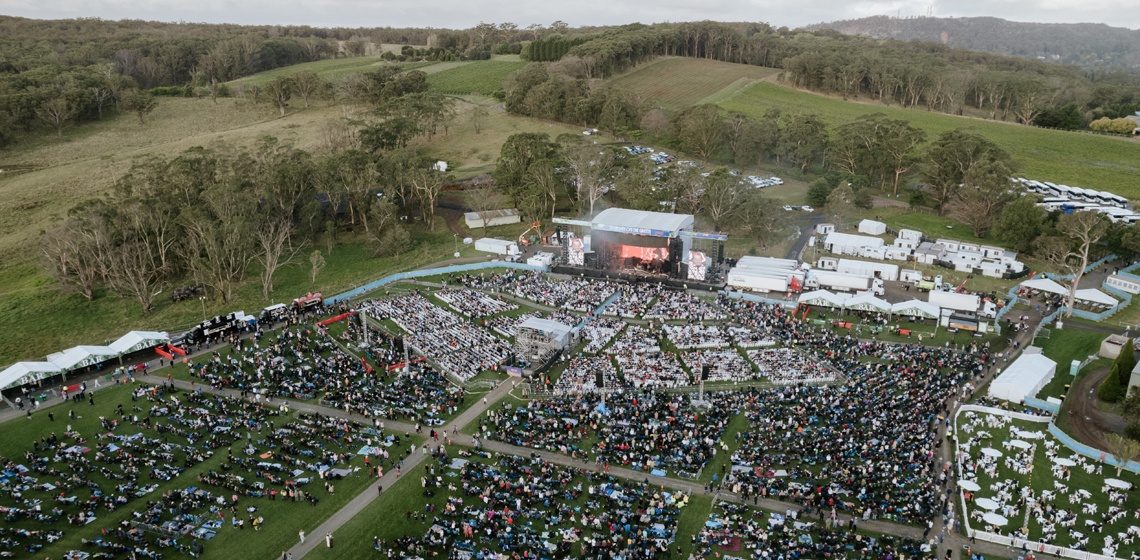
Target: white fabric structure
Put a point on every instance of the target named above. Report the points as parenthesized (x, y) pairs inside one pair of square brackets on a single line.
[(1095, 296), (872, 227), (822, 298), (1023, 378), (1045, 285), (138, 340), (916, 308), (640, 219), (22, 373), (868, 302), (82, 356)]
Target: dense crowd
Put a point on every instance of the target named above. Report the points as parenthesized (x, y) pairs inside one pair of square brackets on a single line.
[(513, 507), (472, 303), (460, 347), (641, 430)]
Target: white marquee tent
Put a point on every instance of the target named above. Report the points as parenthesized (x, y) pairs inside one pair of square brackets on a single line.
[(868, 302), (822, 298), (138, 340), (22, 373), (1095, 296), (1023, 378), (82, 356), (1045, 285), (916, 308)]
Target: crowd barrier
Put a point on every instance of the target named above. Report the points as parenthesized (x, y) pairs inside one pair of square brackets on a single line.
[(355, 293), (760, 299), (1042, 405)]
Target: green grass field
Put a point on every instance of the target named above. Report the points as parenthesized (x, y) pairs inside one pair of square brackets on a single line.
[(680, 82), (1074, 158), (329, 69), (484, 77), (282, 519)]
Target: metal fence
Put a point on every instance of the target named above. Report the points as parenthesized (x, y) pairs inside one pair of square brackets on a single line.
[(357, 292)]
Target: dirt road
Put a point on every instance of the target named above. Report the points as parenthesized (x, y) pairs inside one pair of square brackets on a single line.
[(1089, 424)]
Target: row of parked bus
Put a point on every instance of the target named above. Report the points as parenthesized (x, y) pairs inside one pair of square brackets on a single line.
[(1063, 198)]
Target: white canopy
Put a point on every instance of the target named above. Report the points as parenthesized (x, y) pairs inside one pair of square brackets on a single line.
[(822, 298), (138, 340), (1117, 483), (22, 373), (82, 356), (994, 519), (969, 485), (986, 503), (1045, 285), (916, 308), (1023, 378), (1095, 296), (868, 302)]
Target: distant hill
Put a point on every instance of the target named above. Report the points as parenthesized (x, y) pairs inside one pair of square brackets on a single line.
[(1088, 45)]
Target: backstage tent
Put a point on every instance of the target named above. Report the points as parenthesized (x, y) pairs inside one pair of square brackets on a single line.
[(1095, 296), (138, 340), (916, 308), (82, 356), (822, 298), (22, 373), (1045, 285), (868, 302), (1023, 378)]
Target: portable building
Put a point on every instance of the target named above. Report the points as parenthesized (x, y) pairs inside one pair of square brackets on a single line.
[(1128, 284), (910, 235)]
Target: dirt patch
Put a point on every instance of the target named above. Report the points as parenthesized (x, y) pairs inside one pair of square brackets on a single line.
[(1090, 424)]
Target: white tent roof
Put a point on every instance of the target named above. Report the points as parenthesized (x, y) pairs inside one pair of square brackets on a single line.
[(1023, 378), (872, 227), (1095, 296), (138, 340), (916, 308), (1045, 285), (26, 372), (822, 298), (82, 356), (546, 325), (624, 217), (868, 302)]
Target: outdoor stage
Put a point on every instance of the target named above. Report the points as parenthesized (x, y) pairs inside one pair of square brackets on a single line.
[(640, 246)]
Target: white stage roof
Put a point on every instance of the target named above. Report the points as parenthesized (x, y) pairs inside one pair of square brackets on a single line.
[(1027, 375), (1045, 285), (640, 219)]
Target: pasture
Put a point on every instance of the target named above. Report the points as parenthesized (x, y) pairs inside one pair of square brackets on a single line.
[(483, 77), (1073, 158), (680, 82)]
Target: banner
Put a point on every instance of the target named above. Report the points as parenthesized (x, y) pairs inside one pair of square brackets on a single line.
[(698, 271)]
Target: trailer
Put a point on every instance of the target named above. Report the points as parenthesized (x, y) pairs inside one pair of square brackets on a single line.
[(826, 279), (968, 303), (867, 268), (742, 279), (497, 246), (309, 301)]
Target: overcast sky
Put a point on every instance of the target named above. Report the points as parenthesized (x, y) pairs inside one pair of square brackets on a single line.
[(466, 13)]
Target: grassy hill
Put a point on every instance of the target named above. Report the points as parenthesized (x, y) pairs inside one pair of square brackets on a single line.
[(483, 77), (1074, 158), (680, 82), (37, 318)]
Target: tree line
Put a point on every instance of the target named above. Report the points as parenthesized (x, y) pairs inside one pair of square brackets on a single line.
[(211, 217), (911, 74)]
